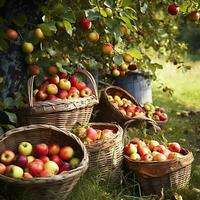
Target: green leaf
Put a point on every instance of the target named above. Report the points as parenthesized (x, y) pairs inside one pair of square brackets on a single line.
[(9, 103), (69, 16), (135, 53), (58, 9), (20, 20), (1, 131), (12, 117), (92, 14), (48, 28), (103, 12), (8, 126), (117, 60), (3, 45), (127, 22), (127, 3), (2, 2)]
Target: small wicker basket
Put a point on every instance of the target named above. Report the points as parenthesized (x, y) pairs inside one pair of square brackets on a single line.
[(63, 114), (51, 188), (108, 113), (106, 156)]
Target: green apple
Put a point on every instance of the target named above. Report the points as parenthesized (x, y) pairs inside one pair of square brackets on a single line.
[(39, 34), (115, 72), (109, 12), (16, 172), (25, 148), (27, 47), (74, 162), (124, 67), (117, 98)]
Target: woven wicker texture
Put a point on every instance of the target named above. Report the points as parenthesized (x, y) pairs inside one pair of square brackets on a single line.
[(155, 175), (63, 114), (106, 156), (51, 188), (108, 113)]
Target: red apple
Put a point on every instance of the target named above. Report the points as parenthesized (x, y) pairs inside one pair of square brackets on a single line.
[(8, 168), (122, 73), (64, 84), (80, 86), (41, 95), (73, 80), (130, 149), (172, 155), (135, 156), (152, 144), (163, 116), (86, 92), (53, 70), (173, 9), (45, 173), (51, 97), (166, 152), (21, 160), (2, 168), (44, 159), (56, 159), (39, 161), (159, 157), (62, 75), (51, 167), (11, 34), (7, 157), (131, 108), (41, 150), (55, 79), (194, 16), (85, 23), (138, 109), (105, 134), (142, 150), (66, 153), (44, 85), (107, 49), (54, 149), (160, 148), (65, 166), (122, 110), (34, 70), (73, 90), (91, 133), (129, 114), (62, 94), (135, 141), (174, 147), (115, 72), (147, 157), (35, 168), (73, 96), (132, 67), (27, 176)]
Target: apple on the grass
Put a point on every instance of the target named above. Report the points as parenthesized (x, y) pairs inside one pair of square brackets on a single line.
[(66, 153), (51, 167), (35, 168), (41, 150), (2, 168), (135, 156), (174, 147), (7, 157), (64, 84), (130, 149), (56, 159), (55, 79), (91, 133), (86, 92), (62, 94), (16, 172), (52, 89), (54, 149), (74, 163)]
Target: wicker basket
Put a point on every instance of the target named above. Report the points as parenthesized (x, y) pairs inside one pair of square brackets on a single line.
[(154, 176), (63, 114), (106, 156), (51, 188), (108, 113)]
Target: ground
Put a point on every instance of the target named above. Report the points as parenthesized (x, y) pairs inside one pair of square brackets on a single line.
[(182, 127)]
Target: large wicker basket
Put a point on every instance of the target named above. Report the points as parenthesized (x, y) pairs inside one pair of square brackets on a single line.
[(51, 188), (108, 113), (155, 176), (63, 114), (106, 156)]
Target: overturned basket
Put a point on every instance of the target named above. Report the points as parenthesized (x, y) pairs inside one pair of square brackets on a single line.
[(106, 156), (63, 114), (108, 113), (55, 187), (155, 176)]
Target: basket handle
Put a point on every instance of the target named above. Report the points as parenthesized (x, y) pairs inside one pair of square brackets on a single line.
[(81, 71), (90, 77)]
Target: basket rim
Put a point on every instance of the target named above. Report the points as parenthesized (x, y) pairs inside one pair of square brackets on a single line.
[(59, 177)]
